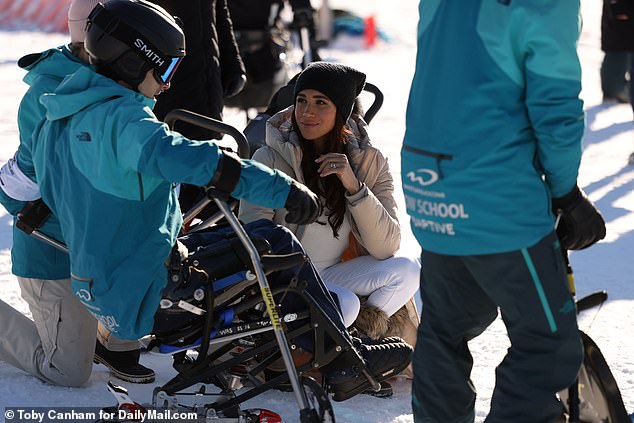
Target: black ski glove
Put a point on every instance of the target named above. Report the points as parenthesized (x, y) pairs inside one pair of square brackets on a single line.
[(302, 205), (234, 84), (33, 215), (581, 224)]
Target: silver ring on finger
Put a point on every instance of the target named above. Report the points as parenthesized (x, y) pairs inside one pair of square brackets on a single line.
[(333, 165)]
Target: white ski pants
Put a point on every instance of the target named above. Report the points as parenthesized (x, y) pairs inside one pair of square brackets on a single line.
[(388, 284)]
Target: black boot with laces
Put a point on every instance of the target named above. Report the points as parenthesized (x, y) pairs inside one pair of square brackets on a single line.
[(382, 361)]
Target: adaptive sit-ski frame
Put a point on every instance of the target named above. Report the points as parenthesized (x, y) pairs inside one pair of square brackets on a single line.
[(320, 322), (207, 367), (594, 396)]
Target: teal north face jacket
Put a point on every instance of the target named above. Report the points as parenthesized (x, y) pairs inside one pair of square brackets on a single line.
[(494, 122), (107, 168), (32, 258)]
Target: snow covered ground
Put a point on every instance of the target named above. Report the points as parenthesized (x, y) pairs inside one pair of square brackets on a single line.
[(604, 175)]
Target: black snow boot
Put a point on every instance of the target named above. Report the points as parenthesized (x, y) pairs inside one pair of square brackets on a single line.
[(124, 364), (382, 361)]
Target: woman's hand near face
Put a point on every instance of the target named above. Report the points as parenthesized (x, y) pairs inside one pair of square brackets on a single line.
[(337, 164)]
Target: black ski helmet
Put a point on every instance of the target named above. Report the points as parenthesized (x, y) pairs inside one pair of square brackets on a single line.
[(126, 38)]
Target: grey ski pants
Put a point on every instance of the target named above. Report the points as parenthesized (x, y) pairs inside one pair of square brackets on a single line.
[(461, 297), (58, 345)]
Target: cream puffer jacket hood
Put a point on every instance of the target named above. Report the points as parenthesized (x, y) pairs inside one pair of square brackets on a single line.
[(371, 211)]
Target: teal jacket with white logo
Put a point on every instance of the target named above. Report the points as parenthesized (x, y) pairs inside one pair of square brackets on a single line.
[(33, 258), (494, 122), (107, 168)]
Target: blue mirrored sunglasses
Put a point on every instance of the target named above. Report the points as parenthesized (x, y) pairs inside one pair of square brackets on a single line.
[(166, 76)]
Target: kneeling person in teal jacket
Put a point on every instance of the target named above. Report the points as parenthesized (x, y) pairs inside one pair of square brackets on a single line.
[(58, 345), (107, 167)]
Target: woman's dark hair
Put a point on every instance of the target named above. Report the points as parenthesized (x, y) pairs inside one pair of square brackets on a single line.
[(330, 188)]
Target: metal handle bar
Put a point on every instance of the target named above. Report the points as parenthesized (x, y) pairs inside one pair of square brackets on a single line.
[(214, 125), (300, 395), (211, 124), (376, 104)]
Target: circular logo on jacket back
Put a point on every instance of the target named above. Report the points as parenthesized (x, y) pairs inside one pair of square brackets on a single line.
[(422, 177), (84, 295)]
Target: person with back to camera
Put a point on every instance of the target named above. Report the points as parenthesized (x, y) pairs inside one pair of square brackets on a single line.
[(212, 70), (58, 346), (107, 168), (617, 42), (263, 40), (316, 141), (490, 158)]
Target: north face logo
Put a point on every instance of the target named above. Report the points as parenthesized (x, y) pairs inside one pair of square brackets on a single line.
[(83, 136)]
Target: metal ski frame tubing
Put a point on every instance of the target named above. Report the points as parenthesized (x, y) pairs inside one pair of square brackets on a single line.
[(614, 406), (267, 295), (50, 241), (214, 125), (573, 390), (243, 151)]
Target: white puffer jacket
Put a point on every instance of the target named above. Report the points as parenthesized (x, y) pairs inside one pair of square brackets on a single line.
[(371, 211)]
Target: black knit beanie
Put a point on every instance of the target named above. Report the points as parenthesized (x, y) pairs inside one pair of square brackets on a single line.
[(340, 83)]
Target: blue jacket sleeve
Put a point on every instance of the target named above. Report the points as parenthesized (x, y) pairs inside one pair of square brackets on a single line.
[(553, 83), (148, 146)]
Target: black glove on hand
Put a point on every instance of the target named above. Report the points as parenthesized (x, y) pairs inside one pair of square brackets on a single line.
[(234, 84), (581, 224), (302, 205)]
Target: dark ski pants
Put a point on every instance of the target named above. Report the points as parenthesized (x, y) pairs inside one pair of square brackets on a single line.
[(461, 297), (613, 69)]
